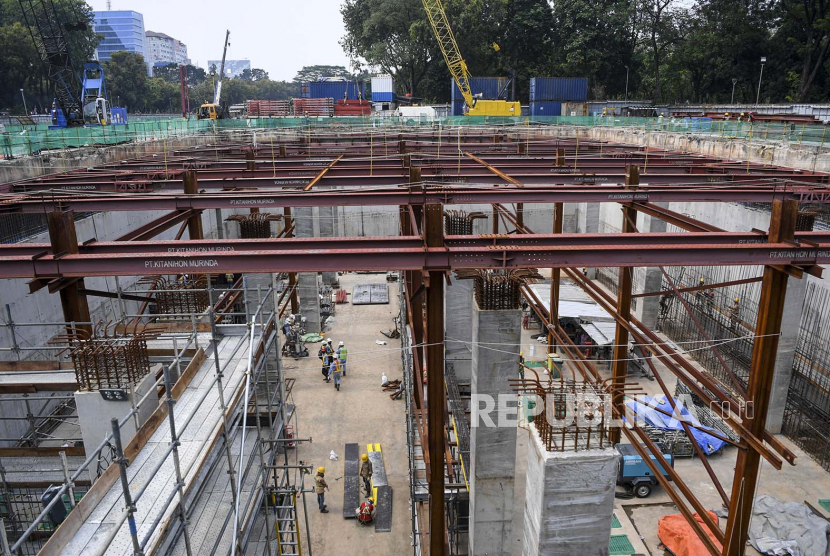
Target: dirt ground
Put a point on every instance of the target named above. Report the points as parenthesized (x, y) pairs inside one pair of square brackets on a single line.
[(360, 412)]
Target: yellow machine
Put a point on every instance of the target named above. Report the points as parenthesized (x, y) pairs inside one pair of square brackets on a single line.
[(213, 110), (210, 111), (458, 67)]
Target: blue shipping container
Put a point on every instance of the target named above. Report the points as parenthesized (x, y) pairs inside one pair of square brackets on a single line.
[(335, 89), (488, 87), (567, 89), (382, 97), (548, 108)]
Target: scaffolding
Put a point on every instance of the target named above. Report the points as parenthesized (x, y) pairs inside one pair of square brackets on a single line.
[(253, 448)]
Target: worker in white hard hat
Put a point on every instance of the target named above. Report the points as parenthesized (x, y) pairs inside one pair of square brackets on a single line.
[(342, 354)]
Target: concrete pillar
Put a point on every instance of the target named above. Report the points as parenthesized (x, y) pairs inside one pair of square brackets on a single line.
[(648, 308), (307, 281), (793, 305), (309, 300), (569, 500), (327, 227), (497, 336), (458, 325)]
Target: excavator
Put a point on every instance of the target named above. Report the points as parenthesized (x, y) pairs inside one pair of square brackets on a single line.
[(458, 67), (213, 110)]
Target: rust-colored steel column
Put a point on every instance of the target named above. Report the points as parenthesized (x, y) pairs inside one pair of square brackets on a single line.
[(555, 276), (292, 276), (620, 360), (191, 187), (250, 160), (434, 237), (770, 312), (64, 240)]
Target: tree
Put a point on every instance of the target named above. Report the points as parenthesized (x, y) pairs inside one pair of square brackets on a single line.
[(809, 22), (314, 73), (126, 75), (20, 63), (661, 28), (255, 74)]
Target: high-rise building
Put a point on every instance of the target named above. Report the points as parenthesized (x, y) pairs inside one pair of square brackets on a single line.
[(163, 49), (123, 30), (233, 68)]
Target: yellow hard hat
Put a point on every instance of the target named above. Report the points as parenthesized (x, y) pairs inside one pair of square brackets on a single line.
[(371, 500), (737, 299), (364, 457), (321, 470), (702, 280)]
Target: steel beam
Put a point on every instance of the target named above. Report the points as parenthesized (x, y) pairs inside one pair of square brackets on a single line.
[(446, 194), (190, 185), (762, 367)]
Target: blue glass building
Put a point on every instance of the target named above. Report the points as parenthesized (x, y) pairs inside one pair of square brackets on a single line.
[(121, 30)]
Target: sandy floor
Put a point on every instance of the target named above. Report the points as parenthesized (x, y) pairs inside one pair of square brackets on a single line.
[(360, 412)]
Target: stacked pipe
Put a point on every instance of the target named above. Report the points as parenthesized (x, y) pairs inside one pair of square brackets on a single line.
[(313, 106), (352, 108), (268, 108)]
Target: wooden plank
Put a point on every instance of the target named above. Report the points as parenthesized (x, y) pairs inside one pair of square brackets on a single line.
[(34, 388), (41, 451), (188, 373), (322, 173)]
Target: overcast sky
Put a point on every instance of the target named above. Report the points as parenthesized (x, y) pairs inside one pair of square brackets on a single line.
[(279, 36)]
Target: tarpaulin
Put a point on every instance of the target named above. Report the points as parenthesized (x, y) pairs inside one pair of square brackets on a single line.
[(679, 537), (708, 443), (787, 528)]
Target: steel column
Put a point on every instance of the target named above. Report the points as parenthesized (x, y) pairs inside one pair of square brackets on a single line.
[(190, 183), (768, 329), (434, 237), (64, 240)]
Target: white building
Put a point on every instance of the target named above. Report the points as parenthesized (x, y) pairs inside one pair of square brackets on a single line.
[(163, 49)]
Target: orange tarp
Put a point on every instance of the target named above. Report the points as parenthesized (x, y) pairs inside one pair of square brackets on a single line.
[(679, 537)]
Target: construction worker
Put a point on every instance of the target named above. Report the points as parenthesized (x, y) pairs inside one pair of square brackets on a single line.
[(335, 371), (343, 355), (320, 487), (366, 512), (366, 473), (324, 361), (735, 313), (328, 347)]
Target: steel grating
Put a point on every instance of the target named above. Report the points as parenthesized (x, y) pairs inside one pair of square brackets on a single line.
[(620, 546), (370, 294)]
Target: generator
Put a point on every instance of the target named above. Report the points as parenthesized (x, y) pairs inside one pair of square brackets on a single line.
[(635, 474)]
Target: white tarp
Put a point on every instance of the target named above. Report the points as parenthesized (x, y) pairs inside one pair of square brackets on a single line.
[(776, 524)]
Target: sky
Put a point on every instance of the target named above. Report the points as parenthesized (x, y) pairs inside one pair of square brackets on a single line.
[(279, 36)]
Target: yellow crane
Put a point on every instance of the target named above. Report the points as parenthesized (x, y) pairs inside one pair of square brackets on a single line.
[(458, 67)]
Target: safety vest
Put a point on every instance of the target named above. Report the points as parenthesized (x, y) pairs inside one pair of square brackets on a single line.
[(343, 353), (335, 366)]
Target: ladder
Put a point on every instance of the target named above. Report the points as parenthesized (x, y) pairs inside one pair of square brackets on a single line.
[(287, 524)]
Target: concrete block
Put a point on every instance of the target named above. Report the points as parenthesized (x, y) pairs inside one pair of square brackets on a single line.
[(309, 293), (94, 412), (569, 501), (458, 320)]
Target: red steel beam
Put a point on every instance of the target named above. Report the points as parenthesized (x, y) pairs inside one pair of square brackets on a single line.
[(395, 196), (609, 253)]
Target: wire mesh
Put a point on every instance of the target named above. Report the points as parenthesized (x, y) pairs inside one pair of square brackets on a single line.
[(807, 414)]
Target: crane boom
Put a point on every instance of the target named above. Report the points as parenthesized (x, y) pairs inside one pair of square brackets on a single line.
[(218, 92), (53, 47), (458, 67), (449, 48)]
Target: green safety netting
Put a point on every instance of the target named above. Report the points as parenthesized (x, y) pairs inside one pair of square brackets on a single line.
[(23, 140)]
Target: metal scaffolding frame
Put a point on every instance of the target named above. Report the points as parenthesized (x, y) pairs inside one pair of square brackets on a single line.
[(528, 166)]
